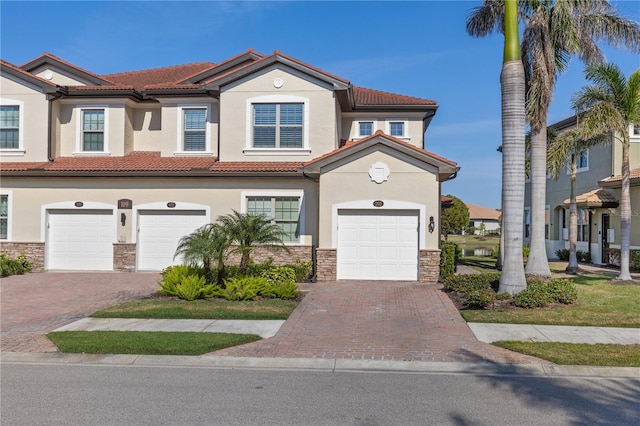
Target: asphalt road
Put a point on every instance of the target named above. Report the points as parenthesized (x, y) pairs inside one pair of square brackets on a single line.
[(57, 394)]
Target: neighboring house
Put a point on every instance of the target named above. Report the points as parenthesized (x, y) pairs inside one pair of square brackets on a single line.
[(108, 172), (597, 189), (483, 218)]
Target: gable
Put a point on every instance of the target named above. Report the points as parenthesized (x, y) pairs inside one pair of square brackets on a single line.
[(291, 80)]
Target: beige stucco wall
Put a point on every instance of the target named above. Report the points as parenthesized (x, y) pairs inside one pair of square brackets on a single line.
[(634, 156), (34, 115), (170, 116), (146, 126), (235, 115), (415, 125), (118, 127), (59, 76), (409, 181), (221, 195)]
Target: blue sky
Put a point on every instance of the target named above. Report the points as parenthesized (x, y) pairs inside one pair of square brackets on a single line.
[(417, 48)]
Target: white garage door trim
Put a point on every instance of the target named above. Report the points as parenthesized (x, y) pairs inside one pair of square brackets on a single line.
[(155, 249), (378, 244), (79, 238)]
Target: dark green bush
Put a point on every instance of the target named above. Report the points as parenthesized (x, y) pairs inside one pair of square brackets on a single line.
[(634, 260), (17, 266), (540, 292), (303, 270), (450, 252), (583, 256), (479, 290), (243, 287), (563, 254)]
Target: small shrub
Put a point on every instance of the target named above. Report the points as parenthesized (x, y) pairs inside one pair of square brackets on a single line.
[(303, 270), (279, 274), (563, 254), (193, 287), (242, 287), (17, 266), (583, 256), (634, 260), (480, 298), (540, 292), (286, 290), (174, 276), (503, 296), (478, 290), (562, 291), (450, 252)]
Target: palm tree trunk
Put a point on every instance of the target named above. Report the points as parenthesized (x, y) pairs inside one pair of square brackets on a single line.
[(512, 83), (537, 263), (572, 267), (625, 213)]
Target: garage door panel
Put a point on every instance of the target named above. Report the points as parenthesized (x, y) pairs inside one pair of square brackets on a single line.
[(80, 240), (159, 233), (378, 245)]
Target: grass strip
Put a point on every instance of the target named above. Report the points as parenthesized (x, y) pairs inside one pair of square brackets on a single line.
[(609, 355), (267, 309), (146, 343)]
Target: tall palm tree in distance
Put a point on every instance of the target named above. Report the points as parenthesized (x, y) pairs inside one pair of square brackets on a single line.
[(512, 83), (555, 30), (611, 105)]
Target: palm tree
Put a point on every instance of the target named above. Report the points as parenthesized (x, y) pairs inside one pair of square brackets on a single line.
[(563, 151), (512, 82), (612, 105), (206, 245), (554, 32), (247, 231)]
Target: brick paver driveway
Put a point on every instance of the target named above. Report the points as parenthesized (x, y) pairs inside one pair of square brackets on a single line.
[(35, 304), (367, 320)]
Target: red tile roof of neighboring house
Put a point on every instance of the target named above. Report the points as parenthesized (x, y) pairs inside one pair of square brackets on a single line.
[(349, 144), (616, 181), (480, 212), (159, 76), (376, 97), (595, 198)]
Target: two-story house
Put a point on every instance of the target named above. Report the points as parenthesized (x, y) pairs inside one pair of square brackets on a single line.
[(108, 172), (597, 188)]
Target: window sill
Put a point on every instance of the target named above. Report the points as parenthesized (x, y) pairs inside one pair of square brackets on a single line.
[(12, 152), (91, 154), (193, 154), (277, 151)]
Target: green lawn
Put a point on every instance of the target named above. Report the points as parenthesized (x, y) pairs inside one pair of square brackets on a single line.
[(147, 343), (578, 354), (169, 308)]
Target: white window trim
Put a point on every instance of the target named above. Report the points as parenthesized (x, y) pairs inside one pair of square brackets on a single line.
[(20, 151), (632, 137), (374, 128), (180, 152), (405, 125), (9, 195), (79, 152), (244, 196), (580, 169), (276, 99)]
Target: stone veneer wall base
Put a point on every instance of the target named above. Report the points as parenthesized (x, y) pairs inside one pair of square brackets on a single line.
[(124, 257), (34, 252)]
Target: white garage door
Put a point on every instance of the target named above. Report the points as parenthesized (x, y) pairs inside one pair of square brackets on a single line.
[(377, 245), (80, 240), (159, 233)]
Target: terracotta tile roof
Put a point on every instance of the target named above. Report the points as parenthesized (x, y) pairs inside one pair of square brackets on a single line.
[(232, 166), (595, 198), (105, 88), (222, 64), (616, 181), (54, 58), (376, 97), (25, 73), (159, 76), (149, 162), (480, 212)]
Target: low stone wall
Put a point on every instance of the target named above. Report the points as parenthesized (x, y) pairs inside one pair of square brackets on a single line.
[(34, 252), (280, 257), (124, 257), (429, 266), (326, 264)]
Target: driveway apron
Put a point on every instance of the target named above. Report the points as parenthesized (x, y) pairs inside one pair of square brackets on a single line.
[(37, 303), (377, 320)]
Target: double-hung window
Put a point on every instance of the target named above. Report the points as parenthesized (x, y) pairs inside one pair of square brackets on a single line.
[(9, 126), (93, 130), (283, 211), (366, 128), (582, 161), (4, 217), (194, 123), (278, 125), (397, 128)]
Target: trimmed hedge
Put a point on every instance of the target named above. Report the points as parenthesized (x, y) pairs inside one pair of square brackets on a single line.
[(449, 255)]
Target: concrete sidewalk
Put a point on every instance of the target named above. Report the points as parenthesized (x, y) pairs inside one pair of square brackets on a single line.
[(484, 332)]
